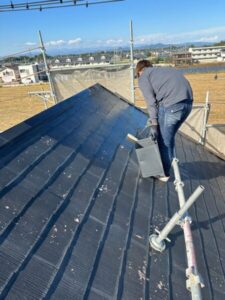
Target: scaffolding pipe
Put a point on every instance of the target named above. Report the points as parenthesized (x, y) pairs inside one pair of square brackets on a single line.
[(205, 119), (50, 4), (18, 53), (47, 68), (158, 241), (194, 281), (178, 182), (132, 63), (44, 95), (215, 125), (194, 106)]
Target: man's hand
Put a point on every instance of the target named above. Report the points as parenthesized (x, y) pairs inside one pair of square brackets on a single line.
[(154, 130)]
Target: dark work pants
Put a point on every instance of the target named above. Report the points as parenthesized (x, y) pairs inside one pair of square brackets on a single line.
[(170, 119)]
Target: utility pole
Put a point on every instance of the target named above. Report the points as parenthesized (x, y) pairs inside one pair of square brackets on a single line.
[(132, 63), (43, 50)]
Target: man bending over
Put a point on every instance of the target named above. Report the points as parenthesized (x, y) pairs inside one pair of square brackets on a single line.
[(169, 99)]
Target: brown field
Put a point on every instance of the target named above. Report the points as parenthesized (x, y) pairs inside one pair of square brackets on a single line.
[(201, 83), (16, 105)]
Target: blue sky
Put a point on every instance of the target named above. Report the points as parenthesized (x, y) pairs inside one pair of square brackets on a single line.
[(107, 25)]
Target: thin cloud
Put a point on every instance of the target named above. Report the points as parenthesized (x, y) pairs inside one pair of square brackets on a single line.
[(212, 30), (55, 43), (30, 44), (204, 35), (209, 39), (114, 42), (209, 34), (76, 41)]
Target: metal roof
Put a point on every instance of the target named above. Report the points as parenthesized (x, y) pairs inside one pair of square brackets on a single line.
[(75, 215)]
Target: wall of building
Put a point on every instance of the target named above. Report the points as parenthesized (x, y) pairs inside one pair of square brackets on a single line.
[(208, 54), (8, 75), (29, 73)]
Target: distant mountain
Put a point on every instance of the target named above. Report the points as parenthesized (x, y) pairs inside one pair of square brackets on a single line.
[(200, 44), (65, 51), (197, 44), (180, 45)]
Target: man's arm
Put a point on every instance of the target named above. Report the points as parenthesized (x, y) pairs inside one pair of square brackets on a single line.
[(149, 95)]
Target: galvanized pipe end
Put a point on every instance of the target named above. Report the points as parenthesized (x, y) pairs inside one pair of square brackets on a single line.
[(156, 244)]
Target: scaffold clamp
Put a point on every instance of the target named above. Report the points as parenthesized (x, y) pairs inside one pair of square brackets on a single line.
[(158, 231), (178, 183), (185, 218), (193, 279)]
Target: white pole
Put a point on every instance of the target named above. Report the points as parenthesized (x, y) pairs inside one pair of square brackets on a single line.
[(194, 281), (206, 115), (43, 50), (132, 63), (178, 182), (178, 215)]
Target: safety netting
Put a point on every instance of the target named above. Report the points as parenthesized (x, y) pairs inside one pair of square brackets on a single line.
[(69, 82), (214, 137), (116, 78)]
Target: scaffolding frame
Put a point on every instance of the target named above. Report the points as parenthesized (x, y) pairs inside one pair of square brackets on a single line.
[(194, 281), (132, 87), (207, 109), (47, 70), (43, 95), (43, 50)]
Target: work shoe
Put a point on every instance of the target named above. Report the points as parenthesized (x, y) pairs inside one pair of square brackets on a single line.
[(163, 178)]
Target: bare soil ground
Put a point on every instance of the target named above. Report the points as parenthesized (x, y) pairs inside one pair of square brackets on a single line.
[(16, 105)]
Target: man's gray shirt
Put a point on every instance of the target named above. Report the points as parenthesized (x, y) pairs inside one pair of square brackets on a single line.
[(165, 85)]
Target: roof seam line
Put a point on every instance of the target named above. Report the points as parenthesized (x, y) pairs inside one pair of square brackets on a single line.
[(119, 293), (45, 230)]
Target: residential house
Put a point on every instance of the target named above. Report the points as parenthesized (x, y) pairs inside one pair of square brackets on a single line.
[(10, 74), (29, 73)]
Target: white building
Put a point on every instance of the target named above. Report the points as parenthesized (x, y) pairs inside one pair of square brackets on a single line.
[(29, 73), (91, 59), (9, 75), (208, 54)]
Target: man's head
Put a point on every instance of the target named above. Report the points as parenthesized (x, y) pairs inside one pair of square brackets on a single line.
[(141, 65)]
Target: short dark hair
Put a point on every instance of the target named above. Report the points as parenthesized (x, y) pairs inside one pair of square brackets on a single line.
[(141, 65)]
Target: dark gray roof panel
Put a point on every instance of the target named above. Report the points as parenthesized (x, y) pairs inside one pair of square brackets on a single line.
[(75, 215)]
